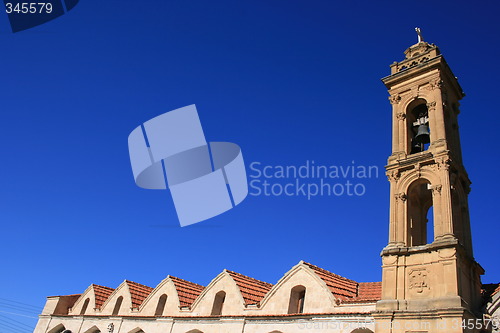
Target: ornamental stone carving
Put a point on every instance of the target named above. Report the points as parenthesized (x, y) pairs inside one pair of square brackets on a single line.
[(435, 84), (395, 99), (401, 115), (443, 163), (393, 175), (418, 280), (431, 106), (401, 196), (436, 189)]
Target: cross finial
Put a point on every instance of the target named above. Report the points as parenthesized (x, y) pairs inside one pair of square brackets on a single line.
[(419, 33)]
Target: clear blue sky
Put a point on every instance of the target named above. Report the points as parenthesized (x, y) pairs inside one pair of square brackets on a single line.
[(288, 81)]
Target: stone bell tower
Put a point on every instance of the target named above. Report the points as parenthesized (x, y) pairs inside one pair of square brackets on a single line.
[(430, 280)]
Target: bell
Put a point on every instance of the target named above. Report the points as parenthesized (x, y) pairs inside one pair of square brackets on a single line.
[(423, 134)]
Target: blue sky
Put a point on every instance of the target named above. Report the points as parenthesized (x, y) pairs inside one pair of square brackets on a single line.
[(288, 81)]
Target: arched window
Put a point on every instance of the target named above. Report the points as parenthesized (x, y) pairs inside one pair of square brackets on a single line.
[(161, 305), (194, 331), (417, 119), (419, 204), (297, 299), (219, 299), (118, 305), (84, 307)]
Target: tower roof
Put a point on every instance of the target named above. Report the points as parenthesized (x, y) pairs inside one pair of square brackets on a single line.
[(420, 49)]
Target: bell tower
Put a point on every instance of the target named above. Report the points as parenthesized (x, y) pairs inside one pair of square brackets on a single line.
[(430, 280)]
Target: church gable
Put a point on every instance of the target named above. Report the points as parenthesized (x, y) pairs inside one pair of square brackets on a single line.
[(229, 294), (169, 296), (126, 298), (300, 290), (220, 297), (92, 299), (81, 305)]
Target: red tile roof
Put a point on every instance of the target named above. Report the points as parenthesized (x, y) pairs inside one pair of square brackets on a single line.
[(101, 294), (187, 291), (367, 292), (341, 287), (138, 292), (252, 290)]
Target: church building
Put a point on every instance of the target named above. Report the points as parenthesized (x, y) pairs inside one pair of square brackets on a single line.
[(430, 280)]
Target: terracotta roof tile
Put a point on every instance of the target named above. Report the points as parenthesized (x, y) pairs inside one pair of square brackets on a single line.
[(367, 292), (101, 294), (341, 287), (252, 290), (138, 292), (187, 291)]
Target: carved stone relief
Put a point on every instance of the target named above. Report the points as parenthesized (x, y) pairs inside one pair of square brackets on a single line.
[(418, 281)]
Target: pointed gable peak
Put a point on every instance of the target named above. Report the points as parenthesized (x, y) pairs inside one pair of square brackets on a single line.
[(252, 290)]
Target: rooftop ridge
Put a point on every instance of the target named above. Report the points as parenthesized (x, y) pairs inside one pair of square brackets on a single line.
[(102, 287), (328, 272), (343, 288), (250, 278), (138, 284), (185, 281)]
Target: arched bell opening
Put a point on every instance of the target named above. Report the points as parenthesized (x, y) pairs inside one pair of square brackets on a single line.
[(417, 116), (420, 215)]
